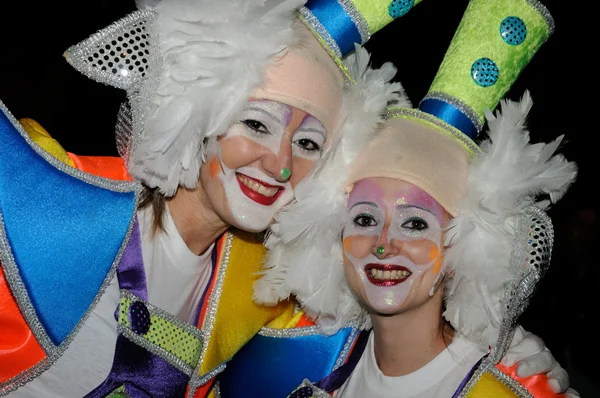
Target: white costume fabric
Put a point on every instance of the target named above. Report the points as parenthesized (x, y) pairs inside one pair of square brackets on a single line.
[(441, 377)]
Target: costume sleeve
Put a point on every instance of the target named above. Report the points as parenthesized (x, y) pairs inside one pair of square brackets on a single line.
[(537, 385)]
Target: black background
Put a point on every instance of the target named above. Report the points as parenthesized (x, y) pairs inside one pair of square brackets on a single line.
[(37, 82)]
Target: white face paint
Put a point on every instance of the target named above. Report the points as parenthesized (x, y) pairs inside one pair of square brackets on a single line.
[(407, 225), (254, 197)]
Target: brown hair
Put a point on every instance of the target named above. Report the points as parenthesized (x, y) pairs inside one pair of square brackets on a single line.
[(153, 197)]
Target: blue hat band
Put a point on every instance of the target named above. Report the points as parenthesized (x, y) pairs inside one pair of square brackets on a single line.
[(450, 114), (335, 25)]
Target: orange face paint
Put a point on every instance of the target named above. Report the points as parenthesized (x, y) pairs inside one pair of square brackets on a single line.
[(435, 254), (215, 168), (347, 244)]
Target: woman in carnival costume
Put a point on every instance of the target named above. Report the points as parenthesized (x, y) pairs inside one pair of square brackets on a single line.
[(134, 284), (229, 105), (432, 243)]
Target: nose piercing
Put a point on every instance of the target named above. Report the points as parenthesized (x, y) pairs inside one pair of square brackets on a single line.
[(380, 250), (285, 173)]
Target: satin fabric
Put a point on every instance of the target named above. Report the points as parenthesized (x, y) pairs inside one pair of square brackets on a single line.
[(337, 22), (153, 376), (274, 366), (61, 230), (449, 114), (19, 350)]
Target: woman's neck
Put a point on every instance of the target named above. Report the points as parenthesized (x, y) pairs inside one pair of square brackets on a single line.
[(406, 342), (195, 219)]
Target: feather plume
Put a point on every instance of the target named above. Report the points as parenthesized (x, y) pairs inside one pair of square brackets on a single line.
[(214, 54), (305, 254), (503, 181)]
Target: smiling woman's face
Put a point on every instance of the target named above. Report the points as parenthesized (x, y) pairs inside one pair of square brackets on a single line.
[(250, 174), (392, 244)]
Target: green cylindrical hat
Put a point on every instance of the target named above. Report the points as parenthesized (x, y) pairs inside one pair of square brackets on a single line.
[(496, 39)]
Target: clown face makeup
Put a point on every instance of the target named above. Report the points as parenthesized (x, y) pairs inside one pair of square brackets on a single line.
[(252, 169), (392, 244)]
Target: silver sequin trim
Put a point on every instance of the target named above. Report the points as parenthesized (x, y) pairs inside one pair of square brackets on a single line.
[(197, 379), (316, 25), (460, 105), (290, 332), (529, 261), (79, 55), (141, 82), (14, 279), (349, 342), (217, 390), (316, 391), (357, 19), (544, 13), (454, 132), (159, 351)]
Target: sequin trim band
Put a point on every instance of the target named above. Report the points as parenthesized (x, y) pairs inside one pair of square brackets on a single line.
[(469, 144), (78, 55), (357, 18), (14, 280), (544, 13), (198, 379), (290, 332), (533, 234), (319, 29), (349, 343), (156, 349)]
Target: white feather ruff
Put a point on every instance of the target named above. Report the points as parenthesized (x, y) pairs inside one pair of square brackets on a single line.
[(305, 254), (503, 180), (215, 53)]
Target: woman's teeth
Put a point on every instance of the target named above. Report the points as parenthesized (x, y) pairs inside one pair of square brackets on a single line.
[(386, 275), (256, 187)]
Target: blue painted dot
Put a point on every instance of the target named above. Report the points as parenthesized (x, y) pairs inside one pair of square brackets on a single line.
[(139, 317), (399, 8), (302, 392), (485, 72), (513, 30)]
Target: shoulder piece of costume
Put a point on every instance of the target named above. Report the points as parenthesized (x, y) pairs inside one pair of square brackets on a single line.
[(54, 218), (228, 317), (276, 360), (499, 240)]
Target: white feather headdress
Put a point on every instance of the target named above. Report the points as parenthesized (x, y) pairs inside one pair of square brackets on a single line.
[(188, 68), (503, 182)]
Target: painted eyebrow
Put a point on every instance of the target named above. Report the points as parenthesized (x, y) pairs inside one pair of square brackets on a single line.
[(364, 203), (405, 206), (265, 112), (313, 130)]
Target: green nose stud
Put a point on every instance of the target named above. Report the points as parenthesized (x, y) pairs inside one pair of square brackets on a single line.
[(285, 173), (380, 250)]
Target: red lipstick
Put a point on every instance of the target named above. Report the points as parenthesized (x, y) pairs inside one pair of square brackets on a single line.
[(258, 197), (372, 267)]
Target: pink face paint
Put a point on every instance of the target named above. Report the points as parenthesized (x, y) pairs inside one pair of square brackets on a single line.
[(411, 220)]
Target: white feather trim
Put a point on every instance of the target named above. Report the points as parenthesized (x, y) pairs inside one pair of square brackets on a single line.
[(503, 181), (305, 256), (215, 53)]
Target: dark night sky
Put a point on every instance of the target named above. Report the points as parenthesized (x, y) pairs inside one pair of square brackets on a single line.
[(38, 83)]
